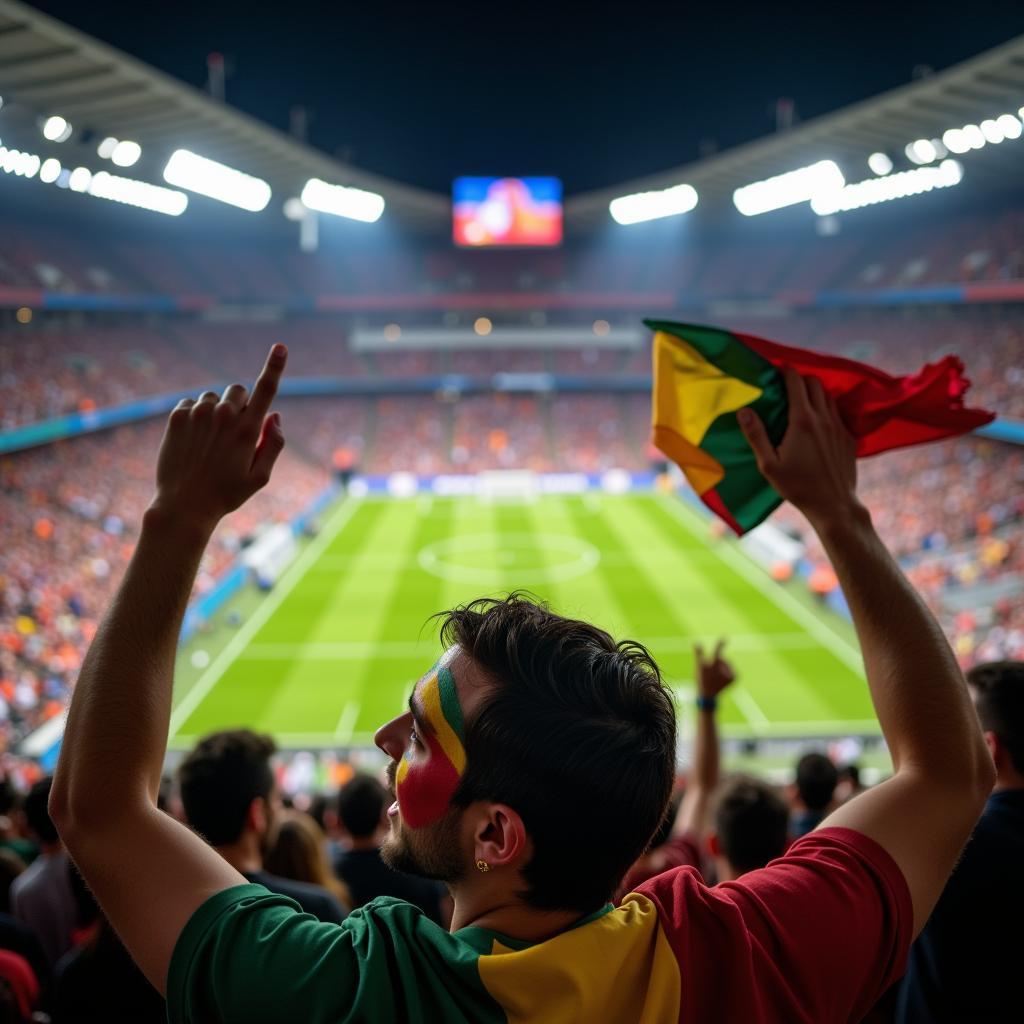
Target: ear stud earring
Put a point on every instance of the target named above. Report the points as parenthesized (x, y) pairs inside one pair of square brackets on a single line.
[(482, 865)]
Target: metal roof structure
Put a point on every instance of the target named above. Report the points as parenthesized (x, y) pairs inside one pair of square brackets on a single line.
[(982, 87), (48, 68)]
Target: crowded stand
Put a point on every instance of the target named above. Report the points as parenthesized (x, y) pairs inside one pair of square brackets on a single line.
[(983, 247), (554, 825)]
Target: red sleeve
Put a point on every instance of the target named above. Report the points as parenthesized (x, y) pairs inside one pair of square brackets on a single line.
[(816, 936), (680, 850)]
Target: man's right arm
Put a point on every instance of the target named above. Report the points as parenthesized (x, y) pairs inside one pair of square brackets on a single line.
[(924, 814)]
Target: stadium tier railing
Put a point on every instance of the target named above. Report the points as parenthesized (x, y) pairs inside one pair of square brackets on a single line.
[(967, 293), (75, 424)]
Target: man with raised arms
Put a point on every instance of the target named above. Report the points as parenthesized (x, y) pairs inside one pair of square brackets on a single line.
[(531, 767)]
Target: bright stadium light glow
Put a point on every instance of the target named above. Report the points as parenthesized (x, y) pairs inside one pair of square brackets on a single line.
[(56, 129), (992, 132), (482, 325), (392, 332), (126, 154), (21, 165), (641, 206), (342, 201), (138, 193), (787, 189), (106, 148), (921, 152), (79, 180), (188, 170), (893, 186), (50, 171), (974, 136), (955, 141), (1010, 126), (879, 163), (294, 209)]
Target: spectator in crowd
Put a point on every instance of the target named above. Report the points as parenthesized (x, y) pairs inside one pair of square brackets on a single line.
[(19, 939), (299, 851), (687, 838), (813, 792), (850, 784), (362, 803), (526, 741), (41, 896), (11, 865), (751, 827), (965, 965), (97, 981), (230, 798)]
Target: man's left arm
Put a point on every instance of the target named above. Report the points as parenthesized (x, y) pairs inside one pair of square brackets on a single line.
[(148, 872), (713, 676)]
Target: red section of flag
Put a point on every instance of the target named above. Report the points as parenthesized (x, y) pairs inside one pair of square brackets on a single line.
[(882, 411)]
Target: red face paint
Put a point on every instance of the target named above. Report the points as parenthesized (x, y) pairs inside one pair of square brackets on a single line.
[(433, 763)]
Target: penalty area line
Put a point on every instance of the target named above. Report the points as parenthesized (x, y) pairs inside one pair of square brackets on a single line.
[(206, 682)]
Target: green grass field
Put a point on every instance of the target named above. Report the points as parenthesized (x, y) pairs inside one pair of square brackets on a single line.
[(335, 647)]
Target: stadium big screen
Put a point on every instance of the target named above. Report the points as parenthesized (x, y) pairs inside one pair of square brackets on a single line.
[(507, 211)]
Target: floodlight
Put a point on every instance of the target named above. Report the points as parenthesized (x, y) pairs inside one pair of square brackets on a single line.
[(342, 201), (196, 173), (294, 209), (1010, 126), (880, 163), (106, 148), (126, 154), (955, 140), (137, 193), (641, 206), (893, 186), (56, 129), (79, 180), (50, 171), (974, 136), (787, 189), (921, 152)]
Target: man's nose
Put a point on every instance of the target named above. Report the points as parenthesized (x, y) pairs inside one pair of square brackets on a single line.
[(391, 736)]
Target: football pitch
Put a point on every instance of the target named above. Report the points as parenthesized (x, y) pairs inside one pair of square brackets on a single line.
[(333, 650)]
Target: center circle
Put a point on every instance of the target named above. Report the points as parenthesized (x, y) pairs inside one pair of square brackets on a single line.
[(516, 559)]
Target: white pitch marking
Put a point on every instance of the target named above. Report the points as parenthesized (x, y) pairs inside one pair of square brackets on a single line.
[(827, 637), (349, 714), (750, 709), (254, 623)]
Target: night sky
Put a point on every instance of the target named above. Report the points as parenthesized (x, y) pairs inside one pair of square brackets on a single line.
[(423, 92)]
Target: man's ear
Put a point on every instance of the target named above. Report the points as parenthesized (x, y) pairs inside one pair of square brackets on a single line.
[(500, 838), (995, 748), (257, 817)]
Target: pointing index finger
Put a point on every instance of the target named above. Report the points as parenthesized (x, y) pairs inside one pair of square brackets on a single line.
[(266, 385)]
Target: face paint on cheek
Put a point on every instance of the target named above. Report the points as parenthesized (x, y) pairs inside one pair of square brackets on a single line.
[(426, 781)]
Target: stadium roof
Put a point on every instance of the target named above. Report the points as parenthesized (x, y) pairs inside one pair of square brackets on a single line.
[(48, 68), (983, 87)]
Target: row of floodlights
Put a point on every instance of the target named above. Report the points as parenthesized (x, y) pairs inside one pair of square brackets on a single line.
[(102, 184), (823, 185), (215, 180)]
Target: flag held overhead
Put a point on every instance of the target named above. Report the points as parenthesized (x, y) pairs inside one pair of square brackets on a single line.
[(704, 375)]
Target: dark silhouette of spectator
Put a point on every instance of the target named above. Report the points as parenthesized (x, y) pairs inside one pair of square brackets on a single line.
[(41, 896), (362, 803), (751, 823), (299, 852), (965, 965), (813, 793), (850, 784), (18, 938), (11, 865), (97, 981), (230, 798)]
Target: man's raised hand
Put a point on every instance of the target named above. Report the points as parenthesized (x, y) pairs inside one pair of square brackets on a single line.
[(217, 451), (714, 674), (815, 467)]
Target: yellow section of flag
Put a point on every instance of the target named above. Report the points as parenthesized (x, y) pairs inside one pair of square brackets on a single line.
[(690, 393)]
